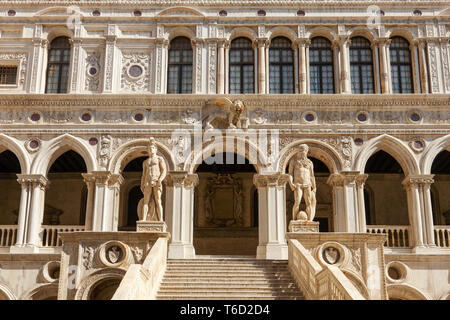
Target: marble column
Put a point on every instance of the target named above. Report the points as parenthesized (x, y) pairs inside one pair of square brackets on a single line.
[(271, 215), (415, 67), (376, 67), (74, 83), (261, 43), (344, 67), (31, 212), (419, 210), (348, 201), (384, 69), (302, 65), (179, 214), (423, 66), (221, 67), (336, 66), (102, 208)]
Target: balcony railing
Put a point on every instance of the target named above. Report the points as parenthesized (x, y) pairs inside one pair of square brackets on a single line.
[(398, 236), (8, 235), (50, 234), (442, 236)]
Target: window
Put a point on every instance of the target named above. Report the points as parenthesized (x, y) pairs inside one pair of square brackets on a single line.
[(179, 70), (401, 71), (8, 75), (361, 66), (58, 65), (321, 66), (241, 66), (281, 66)]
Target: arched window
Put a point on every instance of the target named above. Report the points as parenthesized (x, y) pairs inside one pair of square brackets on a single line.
[(361, 66), (281, 66), (58, 65), (321, 66), (179, 79), (242, 76), (401, 71)]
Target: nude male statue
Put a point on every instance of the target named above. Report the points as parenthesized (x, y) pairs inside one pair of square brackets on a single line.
[(302, 182), (154, 172)]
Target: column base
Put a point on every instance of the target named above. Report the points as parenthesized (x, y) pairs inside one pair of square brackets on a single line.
[(181, 251), (272, 252), (303, 226), (426, 250), (24, 249), (151, 226)]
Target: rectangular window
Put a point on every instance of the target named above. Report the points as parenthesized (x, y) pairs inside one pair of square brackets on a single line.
[(8, 75)]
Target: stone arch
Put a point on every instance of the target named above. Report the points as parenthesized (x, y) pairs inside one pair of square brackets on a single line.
[(6, 293), (357, 282), (406, 292), (93, 280), (281, 32), (317, 149), (181, 32), (8, 143), (138, 148), (57, 11), (322, 32), (243, 32), (179, 11), (394, 146), (47, 291), (401, 32), (362, 32), (56, 147), (58, 31), (196, 156), (431, 151)]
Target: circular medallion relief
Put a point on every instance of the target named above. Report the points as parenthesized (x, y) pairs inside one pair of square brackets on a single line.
[(331, 255), (114, 254), (359, 141), (137, 13), (93, 141), (135, 71)]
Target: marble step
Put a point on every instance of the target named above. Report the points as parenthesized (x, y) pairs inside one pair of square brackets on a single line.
[(228, 296), (208, 286)]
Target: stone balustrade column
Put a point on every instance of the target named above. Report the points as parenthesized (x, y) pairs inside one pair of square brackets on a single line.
[(423, 66), (261, 43), (102, 208), (344, 68), (271, 215), (384, 68), (419, 209), (347, 201), (302, 65), (31, 212), (179, 213), (221, 67)]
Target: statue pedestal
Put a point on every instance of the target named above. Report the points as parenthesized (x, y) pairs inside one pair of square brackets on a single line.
[(302, 226), (151, 226)]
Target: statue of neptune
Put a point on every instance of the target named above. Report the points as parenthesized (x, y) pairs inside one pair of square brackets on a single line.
[(302, 182), (154, 172)]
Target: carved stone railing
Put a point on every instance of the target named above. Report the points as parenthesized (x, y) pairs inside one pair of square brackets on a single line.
[(8, 235), (141, 282), (50, 234), (398, 236), (317, 282), (442, 236)]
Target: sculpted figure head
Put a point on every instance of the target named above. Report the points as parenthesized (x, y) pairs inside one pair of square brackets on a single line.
[(303, 150), (152, 148)]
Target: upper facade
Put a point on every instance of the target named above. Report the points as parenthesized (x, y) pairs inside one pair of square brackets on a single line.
[(224, 47)]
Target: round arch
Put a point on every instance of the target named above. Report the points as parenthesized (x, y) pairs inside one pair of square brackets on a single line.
[(362, 32), (391, 145), (197, 156), (135, 149), (281, 32), (56, 32), (317, 149), (56, 147), (8, 143), (180, 11), (431, 152), (47, 291), (405, 292), (6, 293), (401, 32), (243, 32), (88, 284), (322, 32), (181, 32)]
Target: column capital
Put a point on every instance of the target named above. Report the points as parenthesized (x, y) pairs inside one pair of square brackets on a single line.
[(344, 178), (383, 42), (223, 43), (181, 179), (270, 180), (303, 42), (197, 42), (39, 42), (416, 180), (36, 179), (103, 178), (261, 43), (162, 42)]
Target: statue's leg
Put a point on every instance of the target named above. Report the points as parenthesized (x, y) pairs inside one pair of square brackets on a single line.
[(298, 193), (152, 209), (157, 192), (310, 200), (145, 206)]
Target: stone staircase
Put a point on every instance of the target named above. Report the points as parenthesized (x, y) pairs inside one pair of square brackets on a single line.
[(228, 279)]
